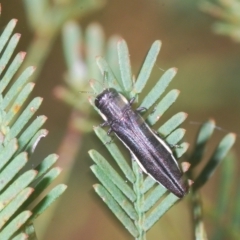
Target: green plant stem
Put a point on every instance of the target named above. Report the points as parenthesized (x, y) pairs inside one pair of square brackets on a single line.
[(68, 149), (71, 142), (139, 201), (36, 57), (199, 230)]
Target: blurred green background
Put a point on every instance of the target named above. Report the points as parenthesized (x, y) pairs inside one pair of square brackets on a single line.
[(208, 78)]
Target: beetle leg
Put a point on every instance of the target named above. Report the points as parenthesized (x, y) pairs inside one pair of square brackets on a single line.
[(111, 137), (109, 131), (131, 101), (104, 124), (141, 109), (173, 146)]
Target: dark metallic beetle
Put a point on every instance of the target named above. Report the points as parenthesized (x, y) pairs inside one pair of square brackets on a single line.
[(152, 154)]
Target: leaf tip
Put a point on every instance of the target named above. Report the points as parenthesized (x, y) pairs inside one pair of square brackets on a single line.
[(91, 152), (35, 172), (25, 155), (94, 25), (212, 121), (98, 57), (90, 100), (233, 136), (92, 82), (32, 68), (55, 156), (14, 20), (17, 36), (175, 70), (177, 91), (31, 190), (190, 182), (93, 168), (158, 44), (64, 186), (22, 55), (185, 166), (15, 143), (44, 132), (186, 144), (58, 169), (184, 114), (40, 99), (96, 186), (120, 41), (32, 85), (43, 118), (28, 213)]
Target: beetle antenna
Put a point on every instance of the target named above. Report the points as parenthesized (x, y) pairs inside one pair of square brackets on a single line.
[(215, 127), (90, 92), (159, 68)]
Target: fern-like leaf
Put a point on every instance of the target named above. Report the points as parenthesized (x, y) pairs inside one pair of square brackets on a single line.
[(140, 203), (19, 136), (195, 158), (229, 14), (136, 204)]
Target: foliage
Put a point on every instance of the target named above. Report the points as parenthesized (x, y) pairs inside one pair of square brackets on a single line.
[(195, 158), (46, 19), (140, 202), (81, 66), (226, 214), (20, 186), (229, 14)]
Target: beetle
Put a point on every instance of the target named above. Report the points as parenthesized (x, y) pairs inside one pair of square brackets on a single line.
[(150, 151)]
